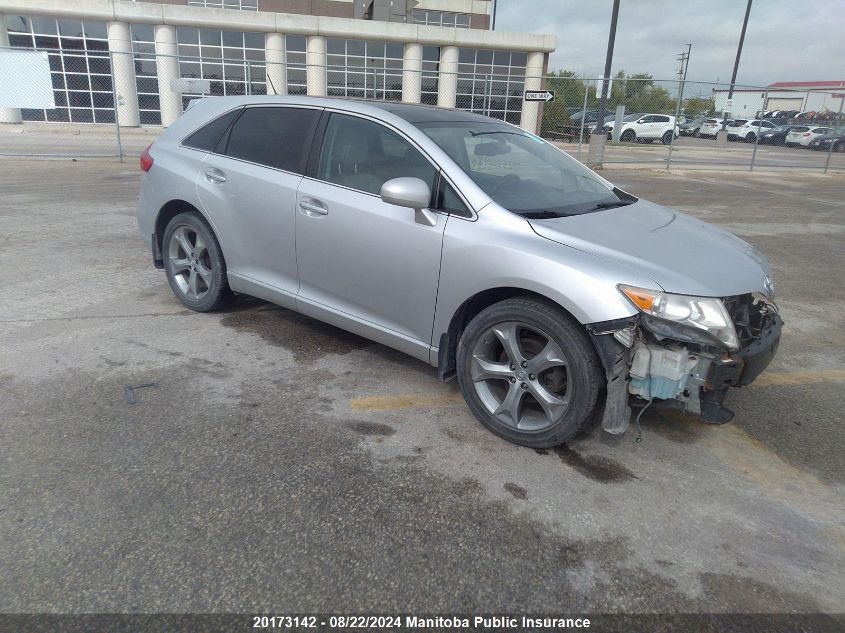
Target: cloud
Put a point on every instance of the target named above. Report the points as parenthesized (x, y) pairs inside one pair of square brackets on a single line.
[(786, 40)]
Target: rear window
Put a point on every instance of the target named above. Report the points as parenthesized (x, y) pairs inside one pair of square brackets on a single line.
[(207, 137), (277, 137), (711, 121), (821, 130), (800, 128)]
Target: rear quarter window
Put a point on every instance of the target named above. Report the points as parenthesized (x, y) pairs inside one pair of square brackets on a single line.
[(207, 137)]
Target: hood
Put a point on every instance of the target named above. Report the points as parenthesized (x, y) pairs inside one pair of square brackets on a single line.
[(680, 253)]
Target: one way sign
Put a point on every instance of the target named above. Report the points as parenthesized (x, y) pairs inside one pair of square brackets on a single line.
[(539, 95)]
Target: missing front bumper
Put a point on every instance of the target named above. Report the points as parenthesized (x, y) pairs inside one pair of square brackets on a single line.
[(676, 373)]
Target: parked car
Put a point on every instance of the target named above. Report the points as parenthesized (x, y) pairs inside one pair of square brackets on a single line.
[(775, 136), (467, 243), (747, 130), (692, 127), (803, 135), (646, 128), (710, 127), (836, 137)]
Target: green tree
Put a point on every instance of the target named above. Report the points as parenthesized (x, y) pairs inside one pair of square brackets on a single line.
[(699, 106), (569, 97)]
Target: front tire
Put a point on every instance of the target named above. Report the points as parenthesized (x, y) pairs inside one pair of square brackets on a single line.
[(666, 138), (194, 263), (529, 373), (750, 137), (628, 136)]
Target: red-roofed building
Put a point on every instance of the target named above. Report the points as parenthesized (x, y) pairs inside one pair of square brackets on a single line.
[(803, 96)]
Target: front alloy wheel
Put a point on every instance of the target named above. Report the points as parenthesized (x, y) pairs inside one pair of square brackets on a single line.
[(528, 373)]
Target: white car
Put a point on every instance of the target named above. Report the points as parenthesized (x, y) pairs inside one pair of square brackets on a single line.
[(804, 134), (747, 129), (645, 127), (710, 127)]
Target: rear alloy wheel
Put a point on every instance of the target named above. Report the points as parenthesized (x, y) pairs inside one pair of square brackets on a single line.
[(840, 147), (628, 136), (666, 138), (194, 263), (528, 373)]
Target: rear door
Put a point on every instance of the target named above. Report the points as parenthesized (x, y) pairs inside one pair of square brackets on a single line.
[(359, 256), (249, 189)]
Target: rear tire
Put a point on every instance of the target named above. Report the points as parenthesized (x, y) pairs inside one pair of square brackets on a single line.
[(529, 373), (666, 138), (750, 137), (194, 264)]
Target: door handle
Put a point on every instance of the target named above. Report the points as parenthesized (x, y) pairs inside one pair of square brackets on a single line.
[(215, 176), (313, 208)]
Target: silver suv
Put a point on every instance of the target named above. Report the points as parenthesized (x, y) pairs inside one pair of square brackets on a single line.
[(556, 299)]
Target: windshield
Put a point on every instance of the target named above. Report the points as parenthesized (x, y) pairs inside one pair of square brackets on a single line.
[(522, 172)]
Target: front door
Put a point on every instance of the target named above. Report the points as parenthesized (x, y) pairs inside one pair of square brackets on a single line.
[(361, 258)]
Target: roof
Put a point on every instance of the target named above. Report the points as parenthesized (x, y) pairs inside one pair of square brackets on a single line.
[(790, 85), (808, 84), (418, 113)]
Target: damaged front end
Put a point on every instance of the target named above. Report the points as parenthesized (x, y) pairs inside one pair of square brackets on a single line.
[(684, 352)]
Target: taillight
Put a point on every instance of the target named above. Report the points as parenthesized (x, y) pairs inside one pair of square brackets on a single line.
[(146, 159), (806, 134)]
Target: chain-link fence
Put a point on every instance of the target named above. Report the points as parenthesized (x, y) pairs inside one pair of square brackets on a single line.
[(113, 104), (694, 124)]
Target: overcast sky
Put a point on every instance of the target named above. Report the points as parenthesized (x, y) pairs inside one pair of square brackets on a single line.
[(787, 40)]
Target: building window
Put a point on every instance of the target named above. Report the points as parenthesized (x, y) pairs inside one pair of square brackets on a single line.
[(441, 18), (295, 58), (232, 61), (243, 5), (491, 83), (429, 83), (362, 69), (146, 80), (80, 67)]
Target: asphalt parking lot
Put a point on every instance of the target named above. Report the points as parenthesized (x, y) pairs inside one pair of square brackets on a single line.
[(281, 464)]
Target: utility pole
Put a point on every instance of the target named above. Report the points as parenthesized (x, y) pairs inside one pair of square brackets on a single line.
[(736, 62), (493, 15), (611, 41)]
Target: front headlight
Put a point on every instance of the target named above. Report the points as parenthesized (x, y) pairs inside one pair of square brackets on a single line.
[(707, 315)]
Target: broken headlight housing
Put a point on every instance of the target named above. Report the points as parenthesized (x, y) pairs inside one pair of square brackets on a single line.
[(703, 320)]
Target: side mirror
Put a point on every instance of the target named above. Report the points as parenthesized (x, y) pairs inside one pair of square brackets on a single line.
[(412, 193), (641, 121)]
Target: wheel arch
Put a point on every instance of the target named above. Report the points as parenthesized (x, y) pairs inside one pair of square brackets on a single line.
[(166, 213), (467, 311)]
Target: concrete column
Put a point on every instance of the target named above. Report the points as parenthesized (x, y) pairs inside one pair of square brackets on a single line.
[(315, 61), (274, 55), (123, 74), (530, 120), (412, 73), (167, 71), (7, 115), (448, 83)]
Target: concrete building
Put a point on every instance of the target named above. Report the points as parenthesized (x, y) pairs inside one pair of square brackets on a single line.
[(164, 53), (803, 96)]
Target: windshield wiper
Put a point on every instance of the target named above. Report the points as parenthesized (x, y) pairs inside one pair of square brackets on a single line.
[(496, 132), (611, 205)]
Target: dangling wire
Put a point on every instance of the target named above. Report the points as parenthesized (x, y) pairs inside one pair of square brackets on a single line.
[(639, 437)]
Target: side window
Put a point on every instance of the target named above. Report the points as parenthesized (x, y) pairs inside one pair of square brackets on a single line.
[(273, 136), (647, 119), (449, 201), (363, 155), (207, 136), (661, 119)]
